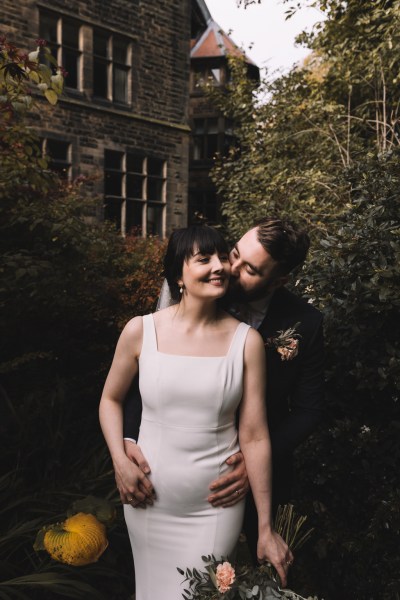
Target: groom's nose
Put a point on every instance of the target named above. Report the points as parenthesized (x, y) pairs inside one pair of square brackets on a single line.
[(235, 268)]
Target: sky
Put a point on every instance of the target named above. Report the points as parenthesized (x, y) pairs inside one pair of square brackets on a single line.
[(264, 26)]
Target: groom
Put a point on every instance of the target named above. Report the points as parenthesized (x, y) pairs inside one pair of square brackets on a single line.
[(292, 331)]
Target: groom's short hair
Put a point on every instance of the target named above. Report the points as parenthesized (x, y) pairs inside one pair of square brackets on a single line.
[(286, 242)]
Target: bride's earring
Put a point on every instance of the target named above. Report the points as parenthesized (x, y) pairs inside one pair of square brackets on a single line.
[(181, 288)]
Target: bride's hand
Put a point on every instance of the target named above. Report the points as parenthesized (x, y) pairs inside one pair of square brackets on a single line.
[(273, 549), (134, 487)]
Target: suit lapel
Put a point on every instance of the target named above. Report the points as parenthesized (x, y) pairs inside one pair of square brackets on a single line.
[(280, 372), (274, 319)]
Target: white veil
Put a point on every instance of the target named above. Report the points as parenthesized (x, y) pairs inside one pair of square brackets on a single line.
[(165, 298)]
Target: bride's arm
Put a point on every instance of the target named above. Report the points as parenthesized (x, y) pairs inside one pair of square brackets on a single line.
[(131, 481), (256, 447)]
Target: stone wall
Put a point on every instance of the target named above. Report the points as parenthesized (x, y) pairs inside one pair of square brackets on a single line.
[(154, 122)]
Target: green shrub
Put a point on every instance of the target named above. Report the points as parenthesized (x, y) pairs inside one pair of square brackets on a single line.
[(347, 472), (355, 279), (67, 287)]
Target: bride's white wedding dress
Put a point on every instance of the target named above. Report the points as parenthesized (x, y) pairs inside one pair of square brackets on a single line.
[(187, 432)]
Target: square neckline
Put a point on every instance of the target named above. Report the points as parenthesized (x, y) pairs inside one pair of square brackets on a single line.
[(231, 343)]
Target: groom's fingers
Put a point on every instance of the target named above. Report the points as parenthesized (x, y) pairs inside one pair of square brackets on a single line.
[(148, 492), (229, 489), (232, 487), (145, 491), (228, 497), (235, 459), (139, 491), (237, 475), (133, 451)]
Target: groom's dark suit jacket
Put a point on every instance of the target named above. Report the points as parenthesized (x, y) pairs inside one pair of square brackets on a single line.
[(295, 388), (295, 392)]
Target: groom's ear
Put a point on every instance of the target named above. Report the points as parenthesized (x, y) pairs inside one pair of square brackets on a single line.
[(279, 282)]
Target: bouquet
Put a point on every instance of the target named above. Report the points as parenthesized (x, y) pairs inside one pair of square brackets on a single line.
[(221, 581)]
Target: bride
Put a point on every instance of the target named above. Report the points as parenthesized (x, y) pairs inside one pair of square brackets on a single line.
[(197, 367)]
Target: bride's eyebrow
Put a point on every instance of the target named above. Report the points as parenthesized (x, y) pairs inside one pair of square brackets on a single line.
[(199, 253)]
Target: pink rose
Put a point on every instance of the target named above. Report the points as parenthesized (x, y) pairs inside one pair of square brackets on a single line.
[(225, 577), (290, 350)]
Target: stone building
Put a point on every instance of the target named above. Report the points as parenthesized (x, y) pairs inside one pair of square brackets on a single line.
[(123, 120), (134, 115)]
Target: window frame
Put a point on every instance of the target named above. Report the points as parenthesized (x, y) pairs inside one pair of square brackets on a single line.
[(54, 162), (118, 59), (202, 74), (113, 64), (201, 141), (223, 134), (128, 200), (60, 47)]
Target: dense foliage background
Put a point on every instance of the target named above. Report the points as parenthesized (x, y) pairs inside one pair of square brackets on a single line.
[(67, 288), (321, 147)]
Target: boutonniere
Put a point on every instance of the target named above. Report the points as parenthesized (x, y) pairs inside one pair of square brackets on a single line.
[(286, 343)]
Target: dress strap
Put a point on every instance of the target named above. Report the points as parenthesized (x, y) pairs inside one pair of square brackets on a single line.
[(149, 334), (238, 340)]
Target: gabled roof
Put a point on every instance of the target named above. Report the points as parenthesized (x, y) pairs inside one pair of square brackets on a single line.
[(215, 43), (202, 8)]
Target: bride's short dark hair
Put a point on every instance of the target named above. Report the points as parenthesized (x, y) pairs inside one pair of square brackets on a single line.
[(181, 246)]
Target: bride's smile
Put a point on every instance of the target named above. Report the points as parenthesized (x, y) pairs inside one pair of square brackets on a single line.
[(218, 281)]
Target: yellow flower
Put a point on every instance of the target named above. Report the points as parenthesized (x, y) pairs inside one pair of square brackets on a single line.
[(80, 540)]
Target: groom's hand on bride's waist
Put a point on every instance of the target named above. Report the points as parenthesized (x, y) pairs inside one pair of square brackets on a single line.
[(228, 489), (134, 453)]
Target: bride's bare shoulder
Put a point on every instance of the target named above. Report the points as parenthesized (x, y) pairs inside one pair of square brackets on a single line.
[(164, 314), (131, 336), (134, 326), (229, 320)]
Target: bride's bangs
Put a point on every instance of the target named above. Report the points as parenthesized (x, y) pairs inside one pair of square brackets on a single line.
[(206, 240)]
